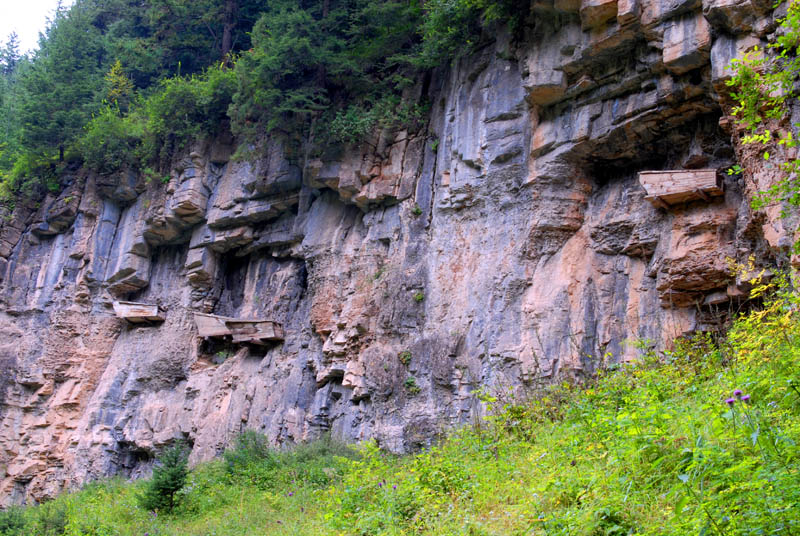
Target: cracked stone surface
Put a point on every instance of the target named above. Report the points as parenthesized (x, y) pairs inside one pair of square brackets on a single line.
[(505, 243)]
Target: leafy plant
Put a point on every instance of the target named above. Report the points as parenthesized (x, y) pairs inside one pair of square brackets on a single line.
[(419, 296), (411, 387), (763, 92), (12, 521), (221, 356), (404, 357), (250, 449)]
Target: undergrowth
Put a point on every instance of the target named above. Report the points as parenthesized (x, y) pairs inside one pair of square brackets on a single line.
[(701, 439)]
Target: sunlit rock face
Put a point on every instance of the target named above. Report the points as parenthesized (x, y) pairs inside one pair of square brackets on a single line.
[(505, 243)]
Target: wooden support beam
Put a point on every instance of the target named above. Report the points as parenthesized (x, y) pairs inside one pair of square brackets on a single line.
[(660, 203), (702, 195)]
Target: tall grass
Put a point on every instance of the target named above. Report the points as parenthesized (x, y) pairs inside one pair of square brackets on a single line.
[(700, 440)]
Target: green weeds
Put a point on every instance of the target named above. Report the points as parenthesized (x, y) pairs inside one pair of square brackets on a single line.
[(700, 439)]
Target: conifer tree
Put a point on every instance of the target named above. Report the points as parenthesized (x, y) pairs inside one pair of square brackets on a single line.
[(169, 476), (63, 84), (9, 55)]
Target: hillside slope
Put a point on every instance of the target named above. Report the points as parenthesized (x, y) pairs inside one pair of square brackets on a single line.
[(699, 440)]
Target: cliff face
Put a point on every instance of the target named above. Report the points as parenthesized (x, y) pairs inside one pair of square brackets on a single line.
[(507, 243)]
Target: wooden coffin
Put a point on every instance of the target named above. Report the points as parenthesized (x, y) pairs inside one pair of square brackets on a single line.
[(211, 325), (670, 187), (138, 313), (255, 331)]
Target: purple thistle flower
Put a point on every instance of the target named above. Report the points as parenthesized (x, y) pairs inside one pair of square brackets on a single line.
[(394, 486), (746, 398), (380, 484), (737, 393), (730, 401), (291, 493)]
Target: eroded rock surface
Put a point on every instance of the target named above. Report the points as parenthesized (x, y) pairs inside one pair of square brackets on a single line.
[(506, 243)]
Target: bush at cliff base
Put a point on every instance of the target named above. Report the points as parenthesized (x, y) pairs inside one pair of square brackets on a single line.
[(698, 440)]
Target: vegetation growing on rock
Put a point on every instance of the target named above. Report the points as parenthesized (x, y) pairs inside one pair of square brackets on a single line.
[(702, 439), (118, 84)]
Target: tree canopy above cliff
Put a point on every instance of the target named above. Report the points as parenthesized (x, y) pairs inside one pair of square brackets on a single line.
[(118, 83)]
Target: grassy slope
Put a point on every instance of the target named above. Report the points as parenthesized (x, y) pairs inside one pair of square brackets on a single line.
[(650, 449)]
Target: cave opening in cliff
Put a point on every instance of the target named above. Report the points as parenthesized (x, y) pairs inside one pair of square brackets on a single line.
[(133, 460), (234, 280)]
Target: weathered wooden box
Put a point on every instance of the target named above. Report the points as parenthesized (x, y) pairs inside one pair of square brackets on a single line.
[(211, 325), (254, 331), (138, 313), (665, 188)]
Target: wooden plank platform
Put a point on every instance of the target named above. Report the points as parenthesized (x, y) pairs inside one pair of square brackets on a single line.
[(249, 330), (670, 187), (138, 313)]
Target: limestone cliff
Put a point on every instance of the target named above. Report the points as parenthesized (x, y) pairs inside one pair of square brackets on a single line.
[(506, 243)]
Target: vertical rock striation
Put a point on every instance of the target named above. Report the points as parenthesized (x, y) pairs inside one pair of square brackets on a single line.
[(505, 244)]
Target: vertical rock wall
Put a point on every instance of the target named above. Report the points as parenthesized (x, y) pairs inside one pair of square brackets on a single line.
[(505, 244)]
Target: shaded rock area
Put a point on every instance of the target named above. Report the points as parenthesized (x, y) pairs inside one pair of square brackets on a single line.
[(504, 244)]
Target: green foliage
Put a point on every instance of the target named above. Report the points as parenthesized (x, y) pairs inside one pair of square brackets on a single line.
[(358, 121), (9, 55), (332, 70), (411, 387), (185, 109), (250, 451), (451, 28), (419, 296), (110, 141), (251, 460), (50, 519), (119, 88), (221, 356), (169, 476), (63, 83), (404, 357), (181, 110), (128, 83), (763, 83), (12, 521), (700, 439)]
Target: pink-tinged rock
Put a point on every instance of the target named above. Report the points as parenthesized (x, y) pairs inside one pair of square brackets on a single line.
[(201, 267), (546, 82), (724, 50), (656, 12), (627, 12), (595, 13), (730, 16), (687, 43), (190, 199)]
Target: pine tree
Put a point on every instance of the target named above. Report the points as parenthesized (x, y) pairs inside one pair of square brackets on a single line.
[(9, 55), (119, 88), (169, 476), (63, 84)]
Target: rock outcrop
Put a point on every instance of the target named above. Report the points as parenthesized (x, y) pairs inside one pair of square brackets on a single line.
[(505, 243)]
